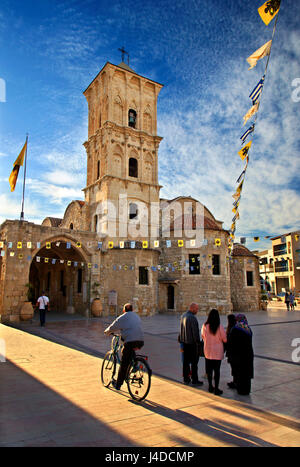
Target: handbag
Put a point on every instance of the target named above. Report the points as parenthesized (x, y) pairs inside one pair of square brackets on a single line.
[(201, 349)]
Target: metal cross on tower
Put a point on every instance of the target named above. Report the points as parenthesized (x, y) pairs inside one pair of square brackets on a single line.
[(123, 51)]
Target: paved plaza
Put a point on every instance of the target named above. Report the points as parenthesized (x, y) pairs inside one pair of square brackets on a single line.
[(51, 393)]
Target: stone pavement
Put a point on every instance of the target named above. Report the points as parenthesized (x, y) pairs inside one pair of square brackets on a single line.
[(51, 394)]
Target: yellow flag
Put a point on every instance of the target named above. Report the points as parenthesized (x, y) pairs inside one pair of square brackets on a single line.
[(244, 151), (15, 171), (269, 10), (262, 52), (251, 112)]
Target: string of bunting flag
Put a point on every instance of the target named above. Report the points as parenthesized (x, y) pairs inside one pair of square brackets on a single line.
[(267, 12), (10, 247), (191, 264)]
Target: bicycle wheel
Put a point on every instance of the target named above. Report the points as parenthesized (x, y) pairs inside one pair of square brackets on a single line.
[(108, 368), (139, 379)]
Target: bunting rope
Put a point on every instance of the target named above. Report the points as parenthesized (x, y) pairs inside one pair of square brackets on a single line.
[(267, 11)]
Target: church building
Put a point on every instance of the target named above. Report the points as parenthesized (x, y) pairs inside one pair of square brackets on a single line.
[(123, 242)]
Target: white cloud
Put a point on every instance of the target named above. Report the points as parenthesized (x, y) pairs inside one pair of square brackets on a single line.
[(54, 193), (11, 209), (198, 155)]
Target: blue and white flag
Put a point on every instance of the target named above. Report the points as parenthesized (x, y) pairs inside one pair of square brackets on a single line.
[(257, 91), (247, 133), (240, 177)]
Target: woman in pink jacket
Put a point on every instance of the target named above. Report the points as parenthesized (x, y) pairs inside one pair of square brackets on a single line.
[(214, 337)]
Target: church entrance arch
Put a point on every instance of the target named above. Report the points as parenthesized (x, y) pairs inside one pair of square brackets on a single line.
[(60, 268)]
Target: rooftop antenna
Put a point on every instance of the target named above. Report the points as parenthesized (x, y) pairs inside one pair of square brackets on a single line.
[(123, 52)]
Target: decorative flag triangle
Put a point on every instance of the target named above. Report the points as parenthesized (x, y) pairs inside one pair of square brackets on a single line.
[(247, 133), (237, 216), (236, 203), (240, 178), (15, 171), (262, 52), (244, 151), (269, 10), (251, 112), (257, 91)]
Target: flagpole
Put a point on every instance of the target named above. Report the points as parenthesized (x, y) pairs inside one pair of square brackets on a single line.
[(23, 197)]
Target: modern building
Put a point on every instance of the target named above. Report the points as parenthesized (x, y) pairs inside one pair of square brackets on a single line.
[(279, 267)]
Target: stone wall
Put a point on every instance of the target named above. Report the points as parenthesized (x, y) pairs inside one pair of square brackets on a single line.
[(206, 289), (244, 297), (16, 262)]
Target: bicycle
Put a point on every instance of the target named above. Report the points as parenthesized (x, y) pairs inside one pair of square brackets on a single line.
[(138, 376)]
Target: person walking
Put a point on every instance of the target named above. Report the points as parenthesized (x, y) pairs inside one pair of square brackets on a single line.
[(214, 337), (292, 301), (287, 300), (230, 324), (240, 349), (189, 337), (43, 304), (129, 324)]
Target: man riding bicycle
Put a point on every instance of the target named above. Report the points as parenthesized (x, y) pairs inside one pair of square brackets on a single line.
[(129, 325)]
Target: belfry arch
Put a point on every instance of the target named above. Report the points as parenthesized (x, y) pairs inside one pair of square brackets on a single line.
[(60, 268)]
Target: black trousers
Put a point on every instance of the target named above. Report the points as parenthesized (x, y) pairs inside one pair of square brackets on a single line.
[(128, 353), (213, 367), (190, 357), (42, 317)]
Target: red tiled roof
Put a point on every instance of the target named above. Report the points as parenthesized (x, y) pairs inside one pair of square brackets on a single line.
[(189, 222), (241, 250)]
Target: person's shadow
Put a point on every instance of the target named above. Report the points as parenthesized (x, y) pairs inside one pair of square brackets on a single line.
[(223, 432)]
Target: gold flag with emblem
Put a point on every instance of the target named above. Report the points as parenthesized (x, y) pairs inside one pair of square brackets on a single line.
[(245, 150), (15, 171), (269, 10)]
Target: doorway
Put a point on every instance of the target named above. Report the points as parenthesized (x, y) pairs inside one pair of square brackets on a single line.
[(171, 297)]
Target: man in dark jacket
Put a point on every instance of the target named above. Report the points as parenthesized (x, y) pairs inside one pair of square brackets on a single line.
[(190, 338)]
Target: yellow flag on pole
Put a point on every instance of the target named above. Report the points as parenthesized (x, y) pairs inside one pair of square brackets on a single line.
[(269, 10), (245, 150), (15, 171), (262, 52)]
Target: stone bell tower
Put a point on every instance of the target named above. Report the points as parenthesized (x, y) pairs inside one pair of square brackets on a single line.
[(122, 150)]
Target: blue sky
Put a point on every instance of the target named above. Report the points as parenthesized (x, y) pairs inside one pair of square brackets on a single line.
[(51, 50)]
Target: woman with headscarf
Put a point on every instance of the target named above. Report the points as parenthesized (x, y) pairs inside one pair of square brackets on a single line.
[(240, 348), (214, 337), (230, 325)]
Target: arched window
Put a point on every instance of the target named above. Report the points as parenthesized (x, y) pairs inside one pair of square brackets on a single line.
[(132, 118), (98, 169), (133, 211), (71, 226), (133, 167)]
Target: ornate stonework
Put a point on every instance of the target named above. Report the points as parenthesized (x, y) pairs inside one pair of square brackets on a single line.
[(122, 165)]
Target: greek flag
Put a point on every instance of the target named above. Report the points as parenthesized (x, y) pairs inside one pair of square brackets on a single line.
[(257, 91), (236, 203), (240, 177), (247, 133)]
